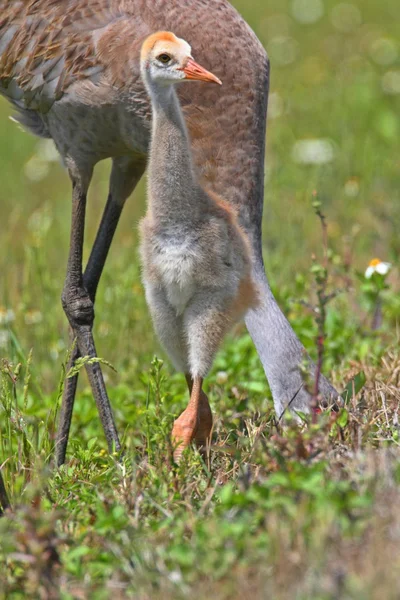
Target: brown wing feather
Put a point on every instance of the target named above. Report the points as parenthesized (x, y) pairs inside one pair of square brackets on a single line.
[(47, 45)]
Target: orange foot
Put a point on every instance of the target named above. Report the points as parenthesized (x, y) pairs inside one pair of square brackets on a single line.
[(191, 426)]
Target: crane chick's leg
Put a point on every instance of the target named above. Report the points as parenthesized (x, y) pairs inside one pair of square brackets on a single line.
[(206, 321), (195, 423), (124, 177), (168, 326), (205, 424), (169, 329)]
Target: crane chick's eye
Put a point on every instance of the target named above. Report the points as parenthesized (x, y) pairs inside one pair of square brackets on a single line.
[(164, 58)]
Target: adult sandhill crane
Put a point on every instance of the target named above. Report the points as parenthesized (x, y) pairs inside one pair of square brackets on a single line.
[(71, 68), (196, 258)]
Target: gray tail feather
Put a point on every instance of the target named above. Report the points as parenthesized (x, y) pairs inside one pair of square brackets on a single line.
[(31, 120)]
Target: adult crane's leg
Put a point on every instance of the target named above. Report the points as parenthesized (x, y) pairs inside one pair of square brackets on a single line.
[(79, 307), (124, 177), (91, 278)]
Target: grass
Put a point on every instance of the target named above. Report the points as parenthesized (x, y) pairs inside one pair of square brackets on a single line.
[(294, 512)]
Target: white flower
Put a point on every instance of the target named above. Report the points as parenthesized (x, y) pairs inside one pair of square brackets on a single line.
[(352, 187), (175, 576), (377, 266), (7, 315), (32, 317), (36, 169), (307, 11), (222, 377), (391, 82), (313, 151), (4, 338)]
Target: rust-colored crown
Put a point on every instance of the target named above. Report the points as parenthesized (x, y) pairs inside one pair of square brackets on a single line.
[(159, 36)]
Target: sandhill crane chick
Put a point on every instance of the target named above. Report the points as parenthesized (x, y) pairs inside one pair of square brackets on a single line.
[(196, 258)]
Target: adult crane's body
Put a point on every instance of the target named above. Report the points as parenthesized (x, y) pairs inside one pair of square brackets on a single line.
[(72, 70), (75, 66)]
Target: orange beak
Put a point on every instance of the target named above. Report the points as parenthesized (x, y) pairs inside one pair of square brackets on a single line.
[(195, 71)]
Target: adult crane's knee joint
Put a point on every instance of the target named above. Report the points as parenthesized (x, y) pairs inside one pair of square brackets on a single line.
[(78, 307)]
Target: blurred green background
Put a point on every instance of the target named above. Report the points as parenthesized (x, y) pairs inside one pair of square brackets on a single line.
[(333, 127)]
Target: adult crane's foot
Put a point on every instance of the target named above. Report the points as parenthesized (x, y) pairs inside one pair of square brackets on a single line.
[(301, 400), (194, 424), (67, 406), (283, 356)]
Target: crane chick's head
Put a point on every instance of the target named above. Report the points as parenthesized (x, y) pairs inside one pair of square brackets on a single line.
[(166, 59)]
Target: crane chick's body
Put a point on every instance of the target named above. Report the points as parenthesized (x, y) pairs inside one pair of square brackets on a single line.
[(204, 261), (196, 258)]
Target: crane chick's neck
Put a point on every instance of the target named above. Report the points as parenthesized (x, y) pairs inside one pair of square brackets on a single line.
[(162, 93), (167, 114), (162, 96), (173, 187)]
